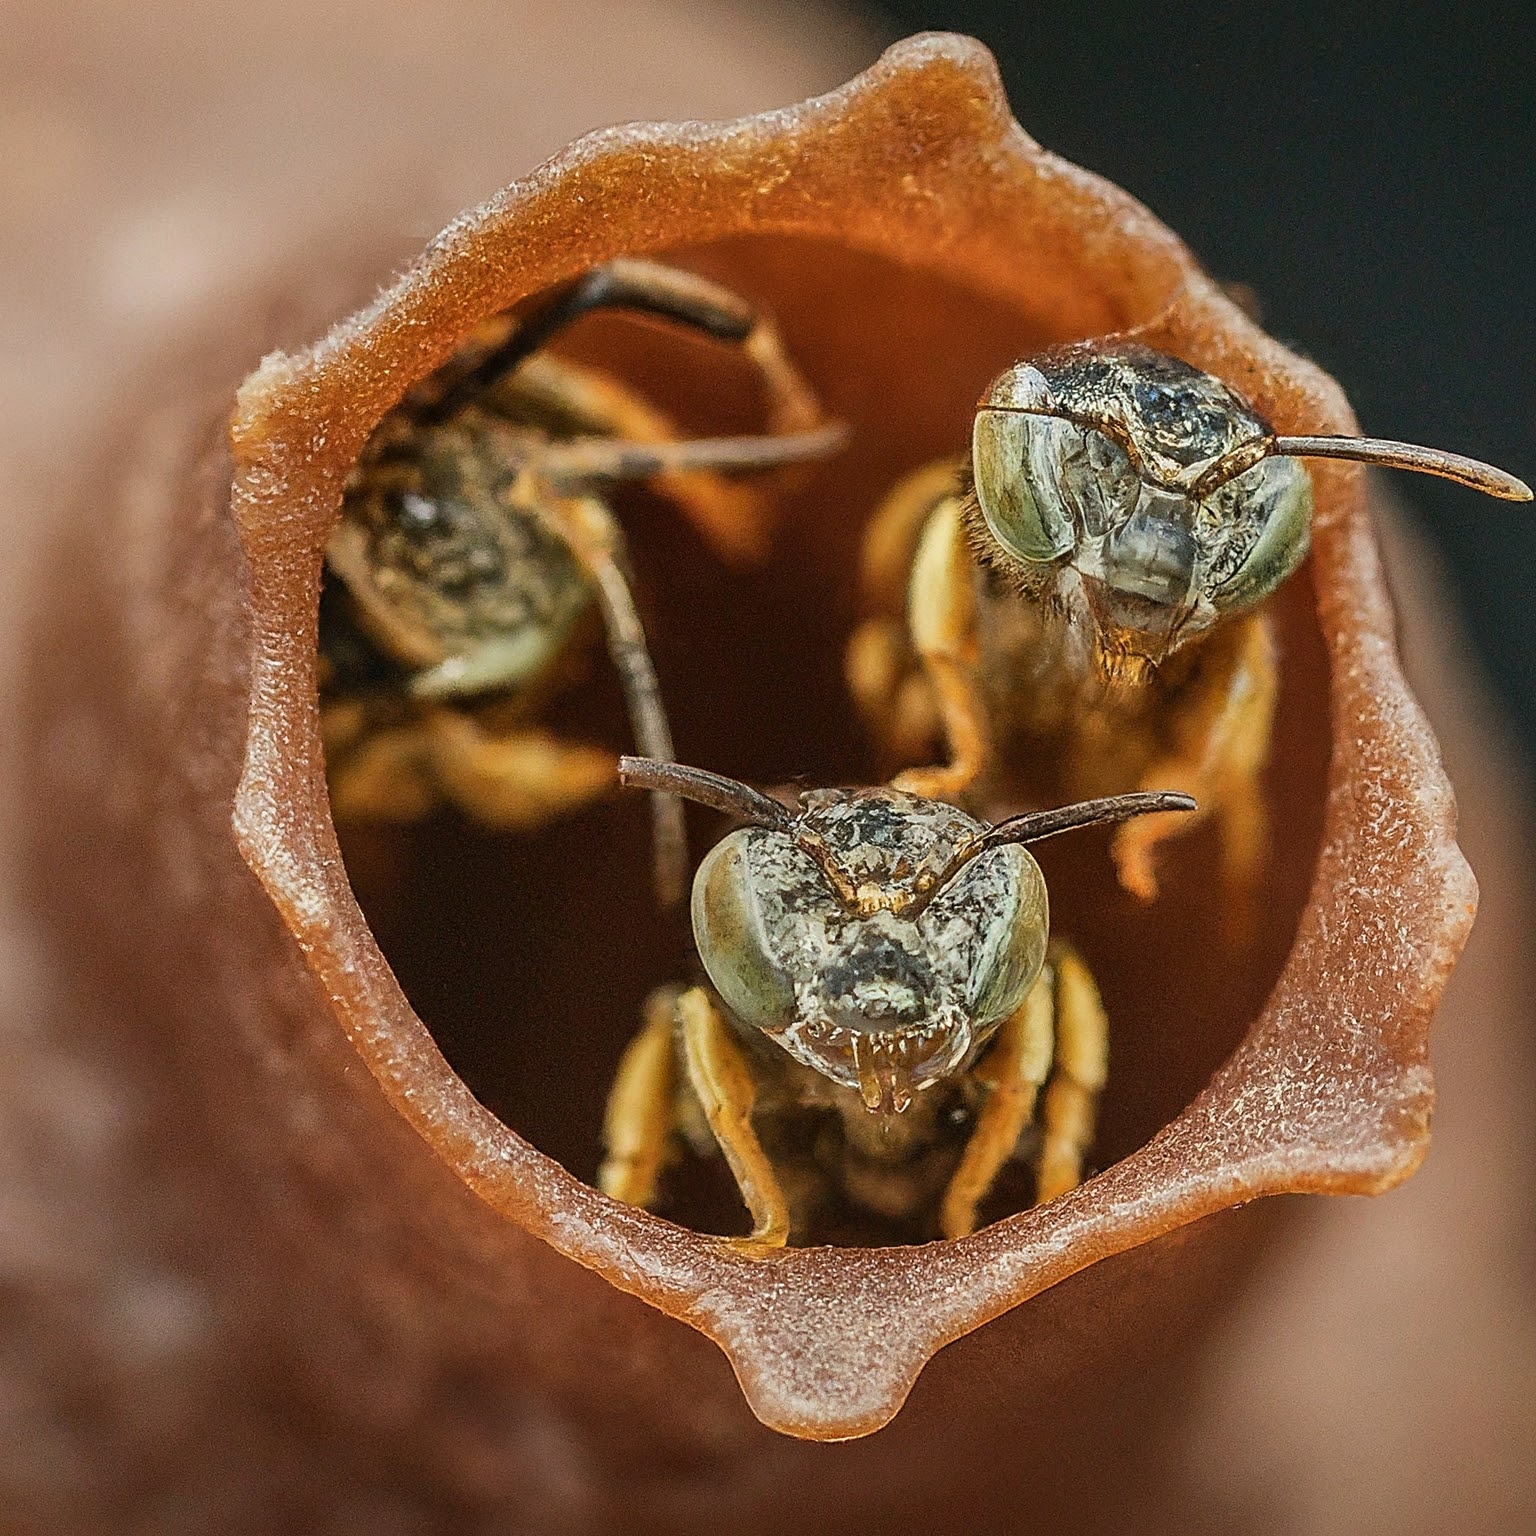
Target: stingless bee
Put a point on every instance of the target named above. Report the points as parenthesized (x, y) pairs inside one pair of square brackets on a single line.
[(1092, 579), (474, 541), (883, 1008)]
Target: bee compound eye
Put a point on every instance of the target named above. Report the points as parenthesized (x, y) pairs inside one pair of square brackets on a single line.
[(1006, 890), (1017, 461), (1277, 492), (1110, 487), (733, 932)]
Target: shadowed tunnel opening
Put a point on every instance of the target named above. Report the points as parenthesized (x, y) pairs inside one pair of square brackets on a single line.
[(529, 956)]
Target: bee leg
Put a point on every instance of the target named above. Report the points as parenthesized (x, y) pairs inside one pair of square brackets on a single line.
[(1219, 729), (895, 531), (891, 692), (941, 615), (573, 464), (1241, 806), (373, 774), (1072, 1097), (727, 514), (881, 670), (1012, 1070), (721, 1080), (732, 517), (669, 293), (638, 1122), (518, 779), (383, 779)]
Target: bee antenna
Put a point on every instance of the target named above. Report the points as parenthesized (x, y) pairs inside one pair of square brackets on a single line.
[(1472, 473), (1032, 826), (712, 789)]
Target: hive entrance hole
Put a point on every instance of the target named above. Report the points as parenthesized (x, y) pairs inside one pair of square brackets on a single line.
[(529, 956)]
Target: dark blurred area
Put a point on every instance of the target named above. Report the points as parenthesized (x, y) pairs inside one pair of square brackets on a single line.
[(1370, 173)]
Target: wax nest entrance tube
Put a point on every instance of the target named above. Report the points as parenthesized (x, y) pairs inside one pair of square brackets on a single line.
[(911, 241)]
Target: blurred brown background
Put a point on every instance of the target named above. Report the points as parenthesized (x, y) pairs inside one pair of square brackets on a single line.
[(158, 159)]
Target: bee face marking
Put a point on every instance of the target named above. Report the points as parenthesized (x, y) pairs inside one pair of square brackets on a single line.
[(882, 980)]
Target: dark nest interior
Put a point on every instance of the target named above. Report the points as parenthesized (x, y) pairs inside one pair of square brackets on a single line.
[(529, 956)]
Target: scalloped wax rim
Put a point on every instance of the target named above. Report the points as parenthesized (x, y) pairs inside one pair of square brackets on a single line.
[(916, 160)]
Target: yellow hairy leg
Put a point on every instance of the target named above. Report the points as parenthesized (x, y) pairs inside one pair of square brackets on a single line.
[(1082, 1061), (638, 1122), (896, 529), (892, 692), (722, 1083), (1219, 731), (374, 774), (941, 618), (1012, 1071), (517, 779), (731, 516)]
